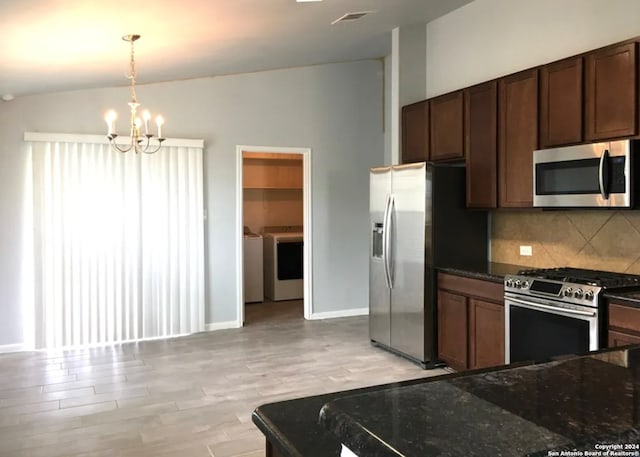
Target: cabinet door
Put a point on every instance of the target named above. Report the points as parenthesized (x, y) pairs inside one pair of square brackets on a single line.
[(446, 127), (561, 103), (486, 334), (415, 132), (480, 145), (625, 318), (622, 339), (518, 133), (611, 93), (452, 329)]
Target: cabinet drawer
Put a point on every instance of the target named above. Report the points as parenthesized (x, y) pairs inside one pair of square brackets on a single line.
[(617, 339), (624, 317), (479, 288)]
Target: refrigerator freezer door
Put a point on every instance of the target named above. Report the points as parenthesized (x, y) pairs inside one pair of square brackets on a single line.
[(407, 233), (379, 293)]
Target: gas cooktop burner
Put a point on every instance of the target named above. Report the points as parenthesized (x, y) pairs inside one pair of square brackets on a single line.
[(603, 279)]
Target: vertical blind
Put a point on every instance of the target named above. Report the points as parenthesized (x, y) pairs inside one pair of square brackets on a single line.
[(118, 241)]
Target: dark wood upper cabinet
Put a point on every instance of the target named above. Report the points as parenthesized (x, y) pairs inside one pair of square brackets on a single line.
[(415, 132), (611, 92), (561, 105), (518, 137), (480, 144), (446, 130)]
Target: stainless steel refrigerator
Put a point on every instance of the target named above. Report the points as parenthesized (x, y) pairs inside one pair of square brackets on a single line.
[(419, 222)]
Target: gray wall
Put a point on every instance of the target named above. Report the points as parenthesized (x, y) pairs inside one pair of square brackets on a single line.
[(334, 109)]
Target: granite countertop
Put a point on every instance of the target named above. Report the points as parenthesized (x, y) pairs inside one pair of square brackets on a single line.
[(630, 298), (578, 403), (292, 426), (488, 271)]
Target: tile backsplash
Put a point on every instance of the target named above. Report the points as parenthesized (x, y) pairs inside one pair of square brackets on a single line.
[(599, 240)]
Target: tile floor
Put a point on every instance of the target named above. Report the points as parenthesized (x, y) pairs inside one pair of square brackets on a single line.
[(187, 397)]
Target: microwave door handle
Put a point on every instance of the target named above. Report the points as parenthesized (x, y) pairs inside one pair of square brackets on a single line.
[(603, 173)]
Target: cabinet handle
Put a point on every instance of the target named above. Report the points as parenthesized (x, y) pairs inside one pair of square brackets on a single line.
[(602, 171)]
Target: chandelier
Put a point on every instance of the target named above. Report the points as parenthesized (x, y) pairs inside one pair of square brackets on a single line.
[(138, 142)]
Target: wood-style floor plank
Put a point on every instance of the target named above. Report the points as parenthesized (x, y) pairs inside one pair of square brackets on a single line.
[(184, 397)]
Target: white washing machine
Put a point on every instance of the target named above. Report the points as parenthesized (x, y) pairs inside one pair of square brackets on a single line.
[(283, 266), (253, 268)]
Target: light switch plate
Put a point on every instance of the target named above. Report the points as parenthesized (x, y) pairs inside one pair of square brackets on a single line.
[(526, 250)]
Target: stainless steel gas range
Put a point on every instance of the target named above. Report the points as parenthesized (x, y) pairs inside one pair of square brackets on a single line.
[(557, 311)]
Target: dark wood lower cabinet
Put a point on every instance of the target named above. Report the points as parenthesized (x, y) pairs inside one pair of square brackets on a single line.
[(470, 322), (624, 325), (452, 329), (486, 334)]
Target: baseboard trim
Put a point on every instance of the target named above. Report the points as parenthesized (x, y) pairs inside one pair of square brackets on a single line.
[(341, 313), (11, 348), (221, 326)]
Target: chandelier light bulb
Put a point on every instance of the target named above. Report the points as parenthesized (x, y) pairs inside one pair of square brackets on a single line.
[(111, 117), (138, 142), (146, 116), (159, 123)]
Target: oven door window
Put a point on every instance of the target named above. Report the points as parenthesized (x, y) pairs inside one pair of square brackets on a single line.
[(579, 177), (290, 255), (538, 335)]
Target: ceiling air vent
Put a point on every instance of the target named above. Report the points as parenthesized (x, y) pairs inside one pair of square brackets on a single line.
[(351, 17)]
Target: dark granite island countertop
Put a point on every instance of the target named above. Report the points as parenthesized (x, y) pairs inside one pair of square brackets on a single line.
[(291, 427), (573, 404)]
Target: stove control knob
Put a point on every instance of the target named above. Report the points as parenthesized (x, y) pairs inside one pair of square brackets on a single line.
[(578, 293), (568, 292), (525, 285), (518, 283), (588, 295), (509, 283)]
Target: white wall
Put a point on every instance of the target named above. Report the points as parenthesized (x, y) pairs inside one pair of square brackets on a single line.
[(334, 109), (388, 112), (408, 77), (490, 38)]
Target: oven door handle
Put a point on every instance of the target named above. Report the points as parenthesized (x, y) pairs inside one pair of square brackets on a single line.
[(550, 308)]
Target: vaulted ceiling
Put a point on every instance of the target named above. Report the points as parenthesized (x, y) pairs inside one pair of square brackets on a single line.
[(52, 45)]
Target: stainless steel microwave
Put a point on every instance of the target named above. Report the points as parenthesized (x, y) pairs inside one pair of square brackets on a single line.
[(588, 175)]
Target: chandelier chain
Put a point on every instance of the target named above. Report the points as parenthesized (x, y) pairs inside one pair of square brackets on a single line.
[(132, 73)]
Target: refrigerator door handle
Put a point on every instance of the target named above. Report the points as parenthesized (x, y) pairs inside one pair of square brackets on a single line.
[(385, 241), (388, 259)]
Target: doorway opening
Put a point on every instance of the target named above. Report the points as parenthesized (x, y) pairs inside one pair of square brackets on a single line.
[(273, 217)]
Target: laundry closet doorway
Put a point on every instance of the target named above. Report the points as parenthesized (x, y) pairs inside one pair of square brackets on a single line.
[(273, 214)]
